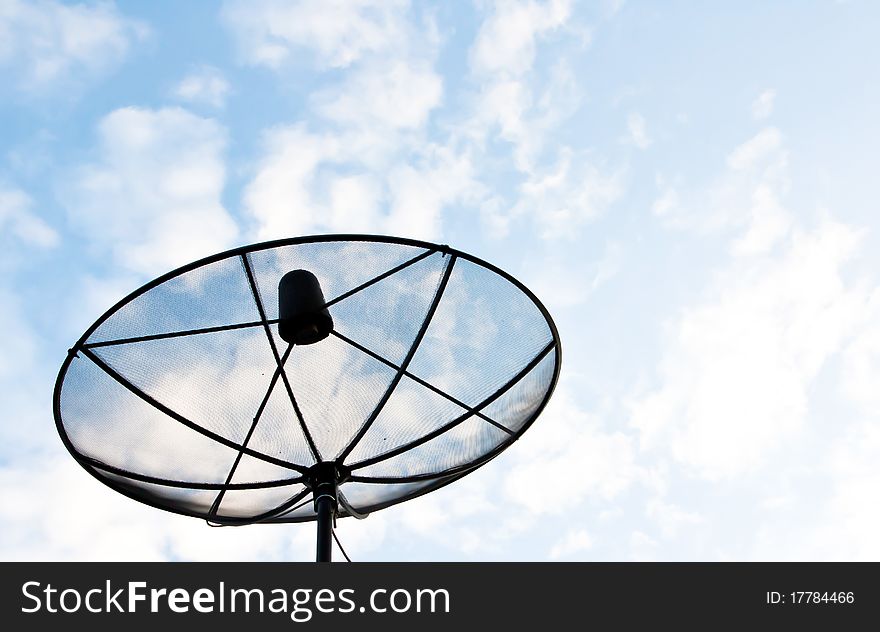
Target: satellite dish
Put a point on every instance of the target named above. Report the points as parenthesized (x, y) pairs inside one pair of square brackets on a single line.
[(305, 379)]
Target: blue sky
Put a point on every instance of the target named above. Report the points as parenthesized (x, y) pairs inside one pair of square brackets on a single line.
[(689, 188)]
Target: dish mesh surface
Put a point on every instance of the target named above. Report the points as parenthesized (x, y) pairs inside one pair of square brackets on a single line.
[(184, 396)]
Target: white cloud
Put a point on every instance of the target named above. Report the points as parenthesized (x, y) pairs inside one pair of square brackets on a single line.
[(47, 44), (756, 149), (569, 457), (736, 374), (25, 377), (453, 517), (768, 224), (280, 196), (564, 283), (337, 32), (506, 41), (637, 131), (819, 509), (667, 201), (612, 7), (419, 192), (643, 548), (851, 521), (830, 516), (741, 390), (671, 518), (375, 155), (116, 528), (861, 362), (748, 195), (751, 193), (372, 169), (19, 345), (762, 106), (507, 102), (152, 199), (206, 85), (92, 296), (396, 93), (559, 188), (309, 182), (17, 218), (524, 111), (573, 542), (567, 194)]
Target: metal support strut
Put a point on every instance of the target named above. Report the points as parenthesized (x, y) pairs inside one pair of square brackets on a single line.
[(324, 479)]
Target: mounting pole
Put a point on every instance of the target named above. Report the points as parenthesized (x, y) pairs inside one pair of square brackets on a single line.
[(324, 479), (325, 511)]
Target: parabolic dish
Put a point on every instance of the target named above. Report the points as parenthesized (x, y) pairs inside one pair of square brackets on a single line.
[(185, 397)]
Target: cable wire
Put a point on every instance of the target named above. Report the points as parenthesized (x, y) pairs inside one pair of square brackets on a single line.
[(339, 544)]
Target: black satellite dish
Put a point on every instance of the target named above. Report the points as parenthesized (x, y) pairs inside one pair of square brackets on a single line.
[(305, 379)]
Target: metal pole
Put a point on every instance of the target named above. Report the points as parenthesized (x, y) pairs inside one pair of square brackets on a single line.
[(323, 479), (325, 510)]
